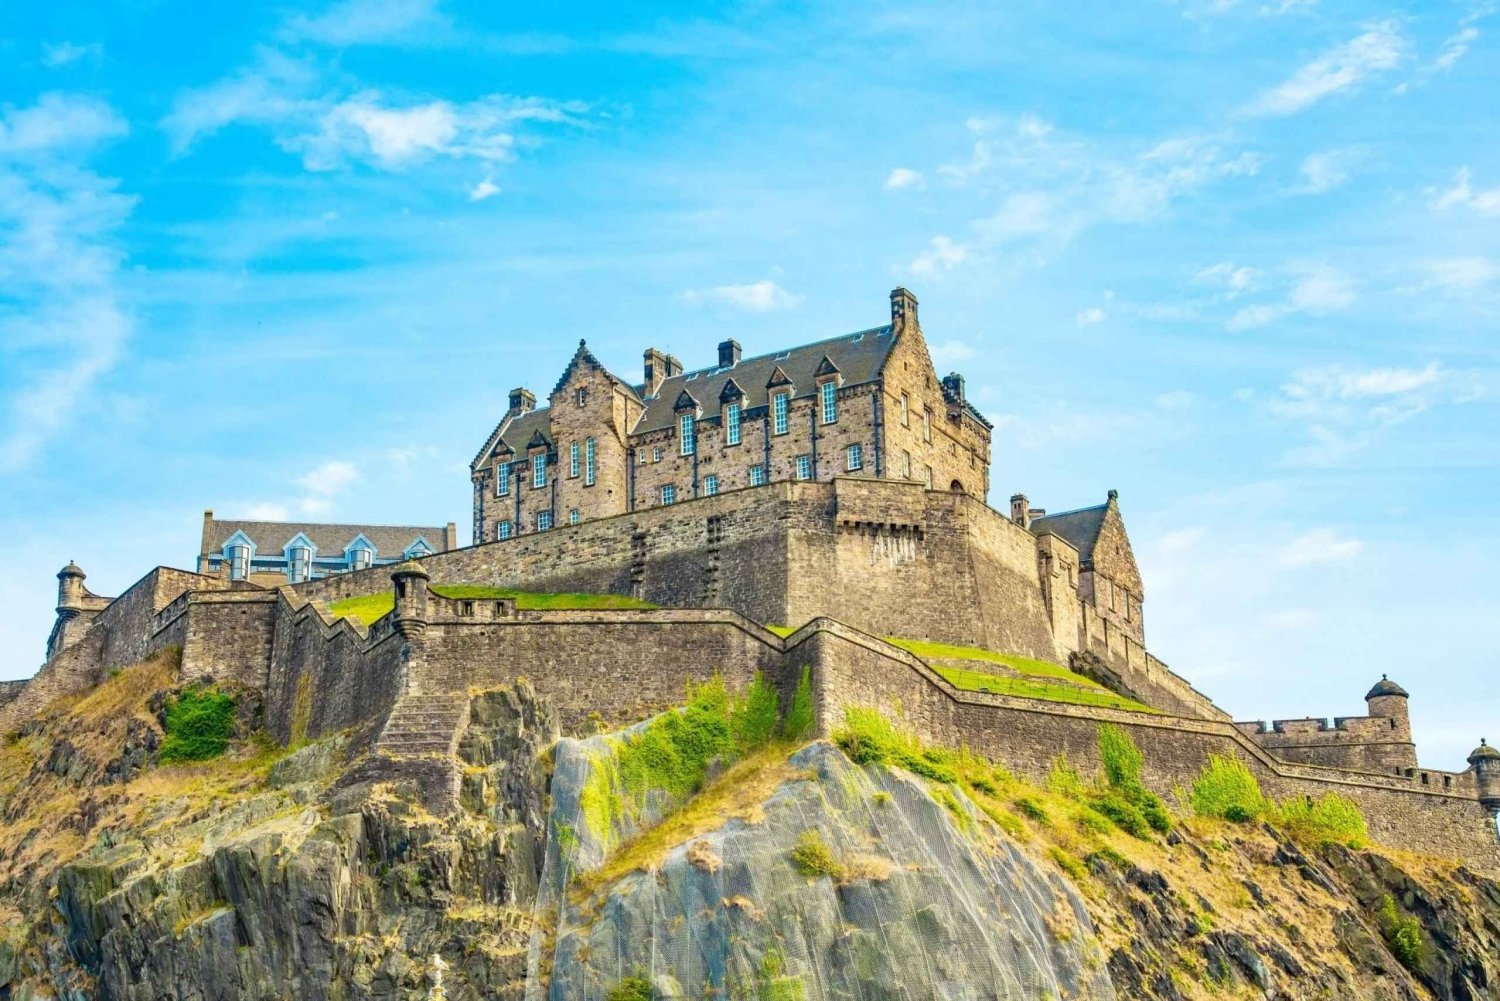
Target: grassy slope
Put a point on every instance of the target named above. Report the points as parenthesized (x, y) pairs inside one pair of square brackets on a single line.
[(372, 606)]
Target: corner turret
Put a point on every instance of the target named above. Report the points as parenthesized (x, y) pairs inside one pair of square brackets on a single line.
[(1485, 761), (411, 580), (70, 589)]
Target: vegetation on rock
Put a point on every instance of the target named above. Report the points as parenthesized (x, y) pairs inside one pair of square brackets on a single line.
[(1226, 789), (1403, 935), (814, 858), (197, 724)]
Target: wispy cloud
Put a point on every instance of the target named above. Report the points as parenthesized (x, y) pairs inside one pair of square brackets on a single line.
[(1379, 48), (486, 188), (1233, 279), (365, 22), (764, 296), (1091, 316), (904, 177), (950, 352), (1460, 274), (1322, 172), (1317, 289), (1461, 194), (67, 53), (942, 254), (1319, 547)]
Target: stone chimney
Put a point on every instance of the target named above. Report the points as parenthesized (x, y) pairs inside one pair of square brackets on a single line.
[(729, 353), (903, 311), (953, 388), (660, 366), (1020, 510), (521, 401)]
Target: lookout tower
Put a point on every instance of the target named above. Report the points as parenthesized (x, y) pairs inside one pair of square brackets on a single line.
[(411, 598), (1486, 764)]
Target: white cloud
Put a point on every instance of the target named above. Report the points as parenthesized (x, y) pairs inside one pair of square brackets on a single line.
[(267, 512), (1233, 278), (950, 352), (1319, 547), (67, 53), (1322, 172), (1089, 317), (1380, 48), (1180, 399), (1454, 47), (942, 254), (1462, 194), (363, 22), (1461, 274), (764, 296), (1317, 289), (1182, 540), (319, 489), (904, 177), (58, 124), (484, 189)]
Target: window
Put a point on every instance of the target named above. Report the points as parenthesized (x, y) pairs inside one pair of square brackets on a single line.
[(905, 411), (928, 478), (804, 467), (778, 413), (581, 395), (906, 465), (732, 424), (543, 520), (539, 470), (757, 475), (656, 454), (710, 485), (502, 529), (573, 460), (926, 424), (829, 392), (299, 563), (590, 462), (239, 562), (668, 494), (359, 559), (686, 440), (502, 479), (642, 455), (574, 517), (854, 458)]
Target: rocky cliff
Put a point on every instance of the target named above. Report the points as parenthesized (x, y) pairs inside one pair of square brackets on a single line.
[(793, 874)]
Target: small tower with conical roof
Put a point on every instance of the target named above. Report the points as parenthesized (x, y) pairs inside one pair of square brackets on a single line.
[(1388, 701), (70, 609), (411, 581), (1485, 761)]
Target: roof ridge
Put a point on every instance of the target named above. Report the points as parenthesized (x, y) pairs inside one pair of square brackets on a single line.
[(1076, 510), (774, 354), (320, 524)]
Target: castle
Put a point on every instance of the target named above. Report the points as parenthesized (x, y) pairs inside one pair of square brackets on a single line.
[(841, 560)]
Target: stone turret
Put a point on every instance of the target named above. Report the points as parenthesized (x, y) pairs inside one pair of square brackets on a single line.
[(70, 589), (1387, 700), (71, 622), (1486, 764), (411, 598)]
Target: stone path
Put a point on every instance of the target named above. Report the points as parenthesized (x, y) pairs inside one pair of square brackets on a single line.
[(424, 724)]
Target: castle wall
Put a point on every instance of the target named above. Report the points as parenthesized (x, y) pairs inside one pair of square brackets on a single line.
[(1363, 743), (856, 670), (229, 635), (1153, 681)]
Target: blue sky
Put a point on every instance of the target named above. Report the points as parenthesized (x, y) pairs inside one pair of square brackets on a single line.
[(1238, 260)]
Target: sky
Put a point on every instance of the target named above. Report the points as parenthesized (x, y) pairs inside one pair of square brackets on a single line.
[(1238, 259)]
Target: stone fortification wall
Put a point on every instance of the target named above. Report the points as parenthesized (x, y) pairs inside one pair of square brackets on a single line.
[(1150, 679), (851, 669), (1363, 743)]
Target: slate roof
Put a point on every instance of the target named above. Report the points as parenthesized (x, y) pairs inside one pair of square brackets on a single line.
[(1385, 686), (272, 536), (859, 357), (1080, 529), (517, 434)]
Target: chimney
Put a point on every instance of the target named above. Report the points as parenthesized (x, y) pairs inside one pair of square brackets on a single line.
[(953, 387), (903, 311), (659, 367), (1020, 510), (521, 401), (729, 353)]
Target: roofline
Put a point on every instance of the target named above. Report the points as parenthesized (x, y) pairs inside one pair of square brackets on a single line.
[(323, 524), (711, 369), (1076, 510)]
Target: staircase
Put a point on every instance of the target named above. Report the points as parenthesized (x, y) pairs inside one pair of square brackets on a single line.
[(424, 725)]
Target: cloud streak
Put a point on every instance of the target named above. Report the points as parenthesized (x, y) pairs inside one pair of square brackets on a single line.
[(1379, 48)]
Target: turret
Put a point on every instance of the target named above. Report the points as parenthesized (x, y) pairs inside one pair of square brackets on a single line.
[(1486, 764), (1020, 510), (1387, 700), (70, 589), (411, 597)]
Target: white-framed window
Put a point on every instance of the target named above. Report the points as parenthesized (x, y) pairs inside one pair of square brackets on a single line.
[(757, 475), (710, 485), (906, 465), (573, 460), (929, 478), (641, 460), (686, 436), (590, 462), (926, 424), (539, 470), (299, 563), (502, 479), (502, 529), (854, 457), (656, 454), (543, 520), (778, 413), (905, 410), (581, 395), (239, 562), (360, 559), (668, 494), (574, 517), (732, 424), (804, 467), (829, 395)]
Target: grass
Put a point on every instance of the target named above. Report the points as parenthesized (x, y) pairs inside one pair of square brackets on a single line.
[(977, 681), (370, 607), (198, 724), (813, 858), (1226, 789), (1029, 666)]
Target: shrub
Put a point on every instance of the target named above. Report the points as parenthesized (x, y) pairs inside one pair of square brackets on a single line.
[(1126, 815), (867, 737), (1091, 821), (1033, 809), (1403, 935), (1065, 780), (632, 989), (1122, 759), (1069, 863), (1134, 808), (1226, 788), (1156, 812), (197, 723), (1329, 820), (799, 715), (813, 857), (754, 718)]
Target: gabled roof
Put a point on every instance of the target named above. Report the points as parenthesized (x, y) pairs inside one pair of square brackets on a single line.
[(516, 433), (583, 356), (271, 537), (859, 356), (1079, 529)]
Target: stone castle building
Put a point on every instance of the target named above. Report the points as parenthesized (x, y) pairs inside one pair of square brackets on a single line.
[(278, 552)]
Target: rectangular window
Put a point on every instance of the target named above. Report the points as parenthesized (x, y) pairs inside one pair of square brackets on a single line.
[(929, 478), (590, 463), (778, 413), (906, 465), (502, 529), (804, 467), (573, 517), (543, 520), (905, 411), (830, 397), (686, 440), (656, 454), (926, 425), (239, 561), (502, 479), (359, 559), (854, 458), (710, 485), (642, 457), (539, 470), (732, 424), (668, 494), (299, 564), (757, 475), (573, 459)]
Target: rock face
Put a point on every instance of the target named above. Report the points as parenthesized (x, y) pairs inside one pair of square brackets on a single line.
[(319, 875)]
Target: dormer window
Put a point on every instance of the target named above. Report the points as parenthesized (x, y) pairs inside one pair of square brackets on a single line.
[(298, 564), (239, 561), (417, 550), (360, 558)]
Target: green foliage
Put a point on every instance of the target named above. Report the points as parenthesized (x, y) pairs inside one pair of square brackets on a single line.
[(1134, 809), (1329, 820), (1069, 863), (1033, 809), (1125, 815), (1022, 665), (1091, 821), (867, 737), (774, 984), (1122, 759), (1403, 935), (755, 717), (632, 989), (799, 715), (198, 723), (813, 857), (1065, 780), (1227, 789)]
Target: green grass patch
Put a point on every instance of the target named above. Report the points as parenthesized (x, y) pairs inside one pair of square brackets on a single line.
[(783, 631), (1227, 789), (1329, 820), (370, 607), (631, 989), (1403, 935), (1026, 688), (799, 715), (1026, 665), (197, 724), (813, 858)]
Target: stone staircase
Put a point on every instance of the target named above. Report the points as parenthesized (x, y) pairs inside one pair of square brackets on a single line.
[(424, 725)]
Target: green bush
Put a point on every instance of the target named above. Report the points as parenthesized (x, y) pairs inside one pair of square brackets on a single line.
[(1227, 789), (1065, 780), (632, 989), (1403, 935), (867, 737), (1032, 809), (1134, 808), (1127, 816), (1329, 820), (1122, 759), (755, 717), (799, 715), (813, 857), (197, 723)]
